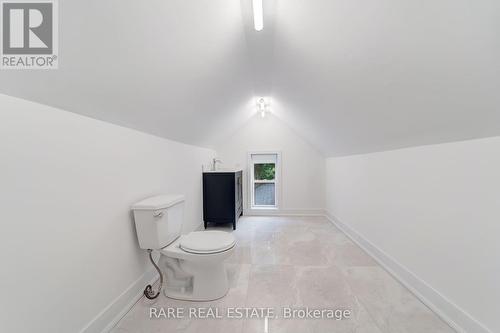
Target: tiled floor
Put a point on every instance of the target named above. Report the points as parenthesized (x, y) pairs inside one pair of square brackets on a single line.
[(297, 262)]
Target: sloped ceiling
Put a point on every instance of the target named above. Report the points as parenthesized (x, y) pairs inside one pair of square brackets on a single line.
[(359, 76), (174, 68), (350, 76)]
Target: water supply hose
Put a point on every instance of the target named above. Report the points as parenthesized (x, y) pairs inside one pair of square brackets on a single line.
[(148, 292)]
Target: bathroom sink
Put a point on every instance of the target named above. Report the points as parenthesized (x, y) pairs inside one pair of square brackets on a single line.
[(223, 170)]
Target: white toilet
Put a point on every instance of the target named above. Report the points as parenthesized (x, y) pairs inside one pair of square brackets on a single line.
[(192, 264)]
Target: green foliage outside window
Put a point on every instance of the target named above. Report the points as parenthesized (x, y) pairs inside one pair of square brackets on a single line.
[(265, 171)]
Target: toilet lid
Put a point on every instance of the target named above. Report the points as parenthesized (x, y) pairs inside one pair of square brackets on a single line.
[(207, 241)]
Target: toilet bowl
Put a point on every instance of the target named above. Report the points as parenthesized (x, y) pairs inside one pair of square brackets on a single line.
[(192, 264)]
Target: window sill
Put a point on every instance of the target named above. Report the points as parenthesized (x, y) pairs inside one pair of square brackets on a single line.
[(264, 208)]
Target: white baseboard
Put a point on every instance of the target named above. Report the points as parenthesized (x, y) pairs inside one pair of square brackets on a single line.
[(452, 314), (119, 307), (284, 212)]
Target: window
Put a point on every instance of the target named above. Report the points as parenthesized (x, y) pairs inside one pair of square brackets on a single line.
[(264, 180)]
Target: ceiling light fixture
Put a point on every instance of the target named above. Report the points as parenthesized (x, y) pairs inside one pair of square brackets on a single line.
[(258, 15), (263, 106)]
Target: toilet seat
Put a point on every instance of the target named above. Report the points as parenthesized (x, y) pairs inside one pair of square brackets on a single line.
[(207, 242), (196, 269)]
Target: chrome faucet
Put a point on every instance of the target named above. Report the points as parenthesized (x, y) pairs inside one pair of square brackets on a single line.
[(214, 163)]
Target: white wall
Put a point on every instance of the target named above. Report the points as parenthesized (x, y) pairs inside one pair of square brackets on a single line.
[(68, 244), (436, 211), (302, 166)]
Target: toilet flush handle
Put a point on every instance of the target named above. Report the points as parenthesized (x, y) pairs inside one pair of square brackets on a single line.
[(158, 213)]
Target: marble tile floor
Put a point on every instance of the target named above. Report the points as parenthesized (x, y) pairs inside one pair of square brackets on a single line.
[(296, 263)]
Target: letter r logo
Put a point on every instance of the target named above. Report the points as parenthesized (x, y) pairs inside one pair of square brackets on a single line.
[(27, 27)]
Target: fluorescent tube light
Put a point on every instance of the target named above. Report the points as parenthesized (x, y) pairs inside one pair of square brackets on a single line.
[(258, 15)]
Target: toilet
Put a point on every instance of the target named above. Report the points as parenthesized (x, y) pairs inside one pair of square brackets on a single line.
[(192, 264)]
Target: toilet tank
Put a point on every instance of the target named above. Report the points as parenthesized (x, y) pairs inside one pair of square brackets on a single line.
[(158, 220)]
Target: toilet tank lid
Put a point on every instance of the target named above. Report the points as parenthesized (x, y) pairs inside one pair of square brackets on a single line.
[(158, 202)]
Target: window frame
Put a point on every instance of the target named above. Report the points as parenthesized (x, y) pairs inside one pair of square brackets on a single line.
[(252, 181)]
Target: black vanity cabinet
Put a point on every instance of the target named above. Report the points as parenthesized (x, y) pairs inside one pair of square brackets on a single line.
[(222, 197)]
